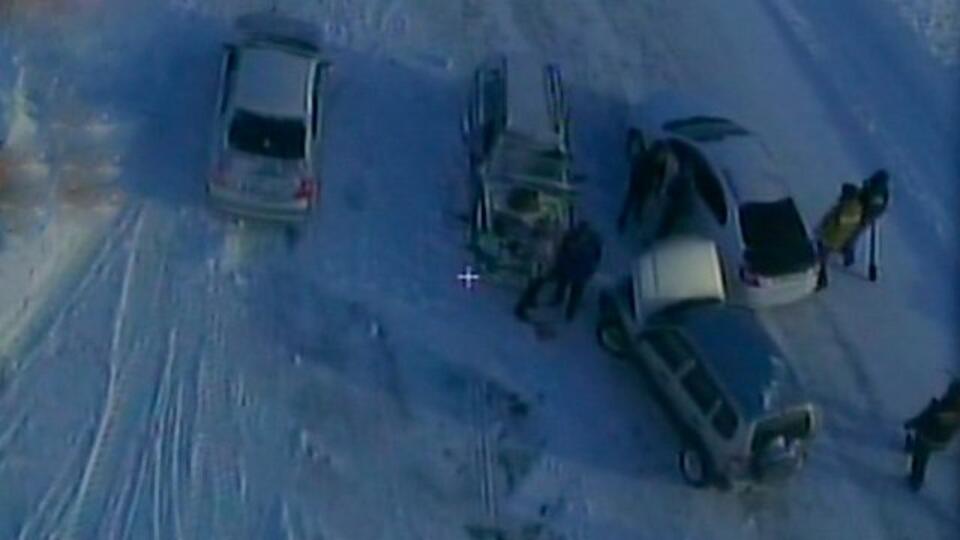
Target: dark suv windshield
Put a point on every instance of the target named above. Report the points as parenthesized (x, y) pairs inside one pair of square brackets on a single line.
[(775, 238), (266, 136)]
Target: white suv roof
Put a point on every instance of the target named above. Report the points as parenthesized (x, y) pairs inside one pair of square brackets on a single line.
[(748, 166), (748, 169), (271, 81)]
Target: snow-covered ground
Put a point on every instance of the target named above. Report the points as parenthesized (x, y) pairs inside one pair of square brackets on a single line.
[(938, 24), (179, 376)]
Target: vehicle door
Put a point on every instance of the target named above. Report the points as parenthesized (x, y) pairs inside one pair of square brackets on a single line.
[(680, 209), (701, 397), (724, 424), (318, 87), (714, 210), (667, 355), (228, 69), (222, 115), (658, 202)]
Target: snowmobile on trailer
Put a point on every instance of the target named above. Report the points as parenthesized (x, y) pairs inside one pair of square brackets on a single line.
[(516, 128)]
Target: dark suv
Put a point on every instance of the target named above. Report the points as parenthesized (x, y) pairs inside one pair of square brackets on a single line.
[(721, 377)]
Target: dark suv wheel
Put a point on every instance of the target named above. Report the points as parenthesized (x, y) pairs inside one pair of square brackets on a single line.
[(612, 337), (695, 466)]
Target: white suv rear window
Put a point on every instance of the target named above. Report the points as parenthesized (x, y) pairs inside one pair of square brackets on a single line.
[(265, 136)]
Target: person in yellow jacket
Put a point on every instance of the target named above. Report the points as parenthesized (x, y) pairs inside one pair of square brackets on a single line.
[(838, 230)]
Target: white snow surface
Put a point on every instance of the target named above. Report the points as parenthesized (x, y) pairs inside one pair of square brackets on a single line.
[(167, 373), (937, 23)]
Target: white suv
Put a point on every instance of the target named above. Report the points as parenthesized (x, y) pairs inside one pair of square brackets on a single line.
[(715, 368), (729, 189), (269, 123)]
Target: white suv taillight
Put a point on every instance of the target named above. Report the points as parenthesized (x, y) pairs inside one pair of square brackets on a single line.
[(752, 279), (749, 277), (306, 190)]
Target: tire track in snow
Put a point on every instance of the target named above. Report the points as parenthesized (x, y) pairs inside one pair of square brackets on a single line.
[(124, 507), (196, 442), (211, 462), (583, 38), (161, 417), (11, 431), (85, 269), (93, 464), (175, 472), (129, 459), (53, 505), (875, 128), (392, 410), (124, 513), (821, 383), (487, 27), (152, 450), (484, 452), (220, 462)]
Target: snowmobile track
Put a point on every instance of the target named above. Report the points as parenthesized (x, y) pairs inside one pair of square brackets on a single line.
[(484, 451), (76, 281), (93, 463)]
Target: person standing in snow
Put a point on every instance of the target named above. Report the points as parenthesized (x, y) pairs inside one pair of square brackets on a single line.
[(931, 431), (838, 229), (575, 263), (648, 173), (874, 198)]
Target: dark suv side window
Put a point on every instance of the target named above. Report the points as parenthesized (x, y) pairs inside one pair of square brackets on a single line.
[(701, 388), (671, 347), (725, 420)]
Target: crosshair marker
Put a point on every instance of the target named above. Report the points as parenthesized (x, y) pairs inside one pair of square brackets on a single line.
[(468, 277)]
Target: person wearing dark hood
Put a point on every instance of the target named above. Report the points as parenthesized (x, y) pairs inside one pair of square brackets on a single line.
[(838, 229), (874, 199), (931, 431), (575, 263), (875, 196), (648, 173)]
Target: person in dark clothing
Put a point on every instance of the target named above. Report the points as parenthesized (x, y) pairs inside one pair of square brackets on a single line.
[(648, 172), (874, 199), (575, 263), (931, 431), (875, 196)]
